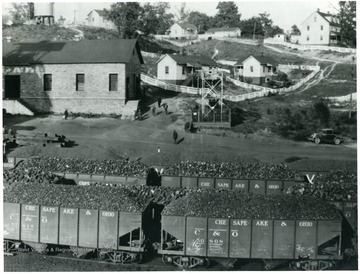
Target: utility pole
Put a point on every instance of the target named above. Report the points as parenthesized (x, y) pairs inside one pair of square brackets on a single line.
[(254, 31), (350, 105)]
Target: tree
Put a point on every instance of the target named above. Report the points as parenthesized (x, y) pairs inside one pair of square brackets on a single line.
[(227, 15), (321, 112), (266, 23), (20, 12), (127, 18), (347, 19), (183, 13), (155, 18), (251, 26), (295, 30), (200, 20)]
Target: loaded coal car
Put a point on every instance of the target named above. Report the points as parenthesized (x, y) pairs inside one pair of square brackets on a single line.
[(108, 222), (234, 227)]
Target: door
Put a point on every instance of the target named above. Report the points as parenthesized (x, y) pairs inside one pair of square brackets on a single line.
[(12, 86), (127, 83)]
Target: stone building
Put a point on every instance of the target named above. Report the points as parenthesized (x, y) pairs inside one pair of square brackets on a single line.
[(90, 76)]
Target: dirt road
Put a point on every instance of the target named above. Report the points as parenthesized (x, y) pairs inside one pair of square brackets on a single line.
[(107, 138)]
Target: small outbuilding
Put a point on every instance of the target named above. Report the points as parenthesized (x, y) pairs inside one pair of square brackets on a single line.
[(181, 30), (89, 76), (223, 32), (180, 69), (256, 69)]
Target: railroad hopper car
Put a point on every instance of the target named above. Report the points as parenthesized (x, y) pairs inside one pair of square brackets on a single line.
[(118, 235), (192, 241), (256, 186)]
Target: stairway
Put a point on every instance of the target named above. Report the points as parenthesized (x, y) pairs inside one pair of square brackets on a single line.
[(15, 107), (187, 81), (128, 112)]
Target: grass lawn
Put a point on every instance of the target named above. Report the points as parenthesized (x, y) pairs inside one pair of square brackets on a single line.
[(343, 72), (36, 33)]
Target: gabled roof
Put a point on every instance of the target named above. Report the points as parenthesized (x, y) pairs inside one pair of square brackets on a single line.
[(187, 26), (100, 12), (70, 52), (261, 59), (222, 29), (191, 60), (328, 17)]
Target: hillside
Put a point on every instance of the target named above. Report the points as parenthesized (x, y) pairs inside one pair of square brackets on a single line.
[(33, 33)]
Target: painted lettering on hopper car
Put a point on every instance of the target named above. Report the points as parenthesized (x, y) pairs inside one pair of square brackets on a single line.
[(108, 214), (262, 223), (30, 208), (69, 211), (239, 185), (223, 185), (273, 186), (306, 224), (205, 184), (220, 222), (49, 209), (240, 222)]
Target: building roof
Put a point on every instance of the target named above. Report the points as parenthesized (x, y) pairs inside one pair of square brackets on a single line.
[(192, 60), (328, 17), (100, 12), (187, 26), (212, 30), (262, 60), (70, 52)]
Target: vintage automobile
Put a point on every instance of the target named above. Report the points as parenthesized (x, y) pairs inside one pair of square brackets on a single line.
[(326, 135)]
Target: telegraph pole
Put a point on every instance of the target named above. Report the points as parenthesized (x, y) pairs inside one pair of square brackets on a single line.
[(254, 31)]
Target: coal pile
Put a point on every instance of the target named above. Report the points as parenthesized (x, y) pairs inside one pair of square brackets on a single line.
[(234, 170), (120, 166), (90, 197), (230, 204), (337, 185)]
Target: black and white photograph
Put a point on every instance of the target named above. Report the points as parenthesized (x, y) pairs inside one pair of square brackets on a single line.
[(179, 136)]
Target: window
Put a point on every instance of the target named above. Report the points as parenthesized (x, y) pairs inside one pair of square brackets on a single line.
[(314, 19), (93, 19), (264, 69), (307, 38), (113, 82), (321, 37), (251, 68), (269, 69), (80, 82), (183, 70), (308, 27), (322, 27), (166, 70), (47, 82)]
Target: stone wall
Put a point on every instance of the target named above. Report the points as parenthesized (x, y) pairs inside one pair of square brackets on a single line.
[(95, 98)]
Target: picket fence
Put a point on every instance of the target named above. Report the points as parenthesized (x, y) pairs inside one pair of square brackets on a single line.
[(257, 90), (171, 87), (308, 47), (264, 90)]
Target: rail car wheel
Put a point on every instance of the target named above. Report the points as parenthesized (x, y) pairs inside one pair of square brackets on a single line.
[(11, 246), (123, 257), (313, 265), (185, 262)]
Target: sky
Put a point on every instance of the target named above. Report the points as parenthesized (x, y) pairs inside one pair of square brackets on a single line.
[(283, 13)]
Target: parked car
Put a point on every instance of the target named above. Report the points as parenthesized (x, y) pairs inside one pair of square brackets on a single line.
[(326, 135)]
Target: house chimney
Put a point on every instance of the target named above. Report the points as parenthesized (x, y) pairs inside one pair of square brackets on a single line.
[(318, 9), (328, 12)]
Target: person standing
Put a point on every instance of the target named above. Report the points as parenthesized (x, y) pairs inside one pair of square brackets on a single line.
[(175, 136), (165, 105), (159, 102), (66, 114)]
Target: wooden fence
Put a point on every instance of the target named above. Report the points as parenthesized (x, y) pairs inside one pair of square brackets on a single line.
[(308, 47)]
